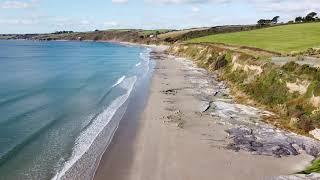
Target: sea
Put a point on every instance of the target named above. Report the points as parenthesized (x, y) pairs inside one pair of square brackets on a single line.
[(61, 103)]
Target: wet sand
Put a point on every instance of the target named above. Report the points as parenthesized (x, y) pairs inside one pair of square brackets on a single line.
[(176, 138)]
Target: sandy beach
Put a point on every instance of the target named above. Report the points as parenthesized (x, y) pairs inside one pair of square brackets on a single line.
[(181, 133)]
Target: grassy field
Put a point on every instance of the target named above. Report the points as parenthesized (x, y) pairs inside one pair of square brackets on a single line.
[(174, 34), (149, 32), (284, 39)]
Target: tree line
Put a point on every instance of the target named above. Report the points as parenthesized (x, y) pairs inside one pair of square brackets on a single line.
[(310, 17), (269, 21), (63, 32)]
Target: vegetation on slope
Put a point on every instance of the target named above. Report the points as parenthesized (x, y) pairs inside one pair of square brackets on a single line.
[(264, 82), (184, 35), (285, 39)]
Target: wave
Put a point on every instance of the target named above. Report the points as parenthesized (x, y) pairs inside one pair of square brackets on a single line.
[(145, 56), (119, 81), (95, 138), (88, 138), (138, 64), (110, 89)]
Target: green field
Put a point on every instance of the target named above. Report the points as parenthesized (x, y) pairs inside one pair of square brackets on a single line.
[(285, 39)]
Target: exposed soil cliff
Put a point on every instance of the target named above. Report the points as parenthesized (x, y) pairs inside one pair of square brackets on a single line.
[(291, 90)]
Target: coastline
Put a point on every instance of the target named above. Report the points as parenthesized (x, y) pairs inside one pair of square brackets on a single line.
[(84, 164), (176, 138)]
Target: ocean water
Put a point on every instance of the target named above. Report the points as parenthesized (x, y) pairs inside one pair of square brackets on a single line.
[(60, 104)]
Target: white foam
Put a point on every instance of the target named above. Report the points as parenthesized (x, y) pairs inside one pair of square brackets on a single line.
[(87, 137), (144, 62), (119, 81), (145, 55)]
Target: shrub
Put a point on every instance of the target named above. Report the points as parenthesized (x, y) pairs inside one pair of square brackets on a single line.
[(313, 89), (269, 89), (305, 124)]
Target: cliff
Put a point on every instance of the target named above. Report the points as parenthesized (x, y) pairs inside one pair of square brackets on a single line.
[(290, 90)]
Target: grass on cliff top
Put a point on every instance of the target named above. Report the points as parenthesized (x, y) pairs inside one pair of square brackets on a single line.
[(149, 32), (284, 39)]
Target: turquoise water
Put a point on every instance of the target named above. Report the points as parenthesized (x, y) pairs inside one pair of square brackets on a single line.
[(57, 99)]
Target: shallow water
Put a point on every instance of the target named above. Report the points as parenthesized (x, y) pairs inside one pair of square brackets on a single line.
[(55, 99)]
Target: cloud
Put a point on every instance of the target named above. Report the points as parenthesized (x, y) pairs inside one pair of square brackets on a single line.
[(84, 22), (188, 1), (119, 1), (19, 21), (18, 4), (285, 6), (195, 9), (110, 24)]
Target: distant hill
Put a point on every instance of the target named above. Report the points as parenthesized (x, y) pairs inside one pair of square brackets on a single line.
[(167, 36)]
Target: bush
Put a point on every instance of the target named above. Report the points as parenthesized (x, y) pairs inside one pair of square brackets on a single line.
[(269, 89), (97, 37), (305, 124), (313, 89), (299, 70)]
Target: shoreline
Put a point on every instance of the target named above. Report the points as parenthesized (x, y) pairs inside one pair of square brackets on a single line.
[(118, 154), (104, 138), (176, 138)]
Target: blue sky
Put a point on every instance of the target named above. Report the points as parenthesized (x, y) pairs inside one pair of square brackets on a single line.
[(40, 16)]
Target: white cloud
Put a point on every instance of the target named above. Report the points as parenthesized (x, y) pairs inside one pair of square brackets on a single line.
[(283, 6), (11, 4), (286, 6), (84, 22), (195, 9), (19, 21), (111, 24), (119, 1), (188, 1)]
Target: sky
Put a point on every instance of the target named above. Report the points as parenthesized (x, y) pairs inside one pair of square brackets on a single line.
[(45, 16)]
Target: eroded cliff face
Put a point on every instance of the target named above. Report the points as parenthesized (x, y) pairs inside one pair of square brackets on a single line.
[(292, 91)]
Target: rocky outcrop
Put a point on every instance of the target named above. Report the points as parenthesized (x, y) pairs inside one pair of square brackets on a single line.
[(287, 89), (246, 131), (300, 86), (315, 133), (242, 123)]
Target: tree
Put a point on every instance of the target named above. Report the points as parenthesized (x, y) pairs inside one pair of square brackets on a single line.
[(311, 16), (262, 22), (275, 20), (157, 33), (299, 19)]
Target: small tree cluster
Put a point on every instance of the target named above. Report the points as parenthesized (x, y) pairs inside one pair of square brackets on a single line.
[(311, 17), (63, 32), (269, 21)]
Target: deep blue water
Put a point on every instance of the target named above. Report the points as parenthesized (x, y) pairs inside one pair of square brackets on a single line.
[(51, 93)]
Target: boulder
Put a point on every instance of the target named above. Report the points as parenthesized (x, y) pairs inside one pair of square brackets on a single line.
[(315, 133)]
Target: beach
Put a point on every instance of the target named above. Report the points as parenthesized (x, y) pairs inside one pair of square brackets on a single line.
[(182, 133)]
